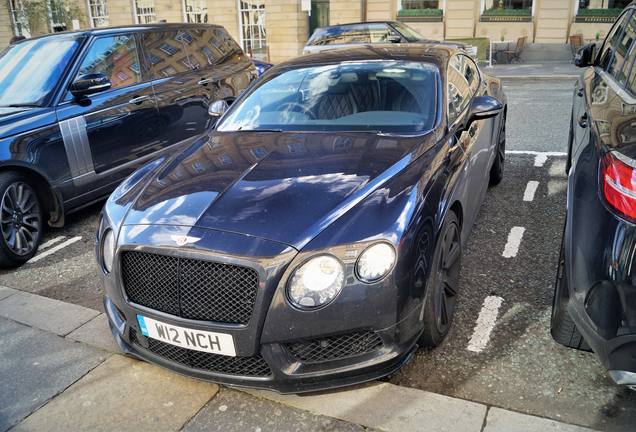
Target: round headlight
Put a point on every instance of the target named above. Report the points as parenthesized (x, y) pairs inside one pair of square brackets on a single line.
[(317, 282), (108, 250), (375, 262)]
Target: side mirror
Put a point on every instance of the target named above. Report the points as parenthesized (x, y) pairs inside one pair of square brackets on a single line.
[(89, 84), (484, 107), (218, 108), (394, 39), (586, 56)]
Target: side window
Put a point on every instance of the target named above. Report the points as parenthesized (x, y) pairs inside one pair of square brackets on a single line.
[(166, 53), (353, 34), (116, 57), (623, 53), (211, 46), (379, 33), (612, 41), (463, 82)]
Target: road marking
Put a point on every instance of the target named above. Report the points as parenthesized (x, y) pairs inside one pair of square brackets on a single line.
[(54, 249), (540, 160), (531, 189), (536, 153), (50, 243), (514, 241), (485, 324)]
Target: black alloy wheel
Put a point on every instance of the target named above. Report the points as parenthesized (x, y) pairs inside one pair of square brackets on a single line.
[(442, 285), (20, 220), (497, 170)]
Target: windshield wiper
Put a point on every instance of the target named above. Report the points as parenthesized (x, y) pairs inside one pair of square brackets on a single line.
[(257, 130), (26, 105)]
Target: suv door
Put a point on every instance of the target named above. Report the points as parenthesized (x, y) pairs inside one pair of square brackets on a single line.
[(105, 133), (176, 82)]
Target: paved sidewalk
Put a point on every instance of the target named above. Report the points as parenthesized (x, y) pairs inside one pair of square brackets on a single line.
[(543, 71), (60, 371)]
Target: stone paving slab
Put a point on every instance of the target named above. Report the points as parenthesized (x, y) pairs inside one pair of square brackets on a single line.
[(388, 407), (35, 366), (500, 420), (97, 333), (234, 411), (6, 292), (44, 313), (123, 394)]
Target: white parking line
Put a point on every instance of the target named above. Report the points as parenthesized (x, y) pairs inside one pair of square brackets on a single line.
[(485, 324), (536, 153), (531, 189), (50, 243), (514, 241), (51, 251)]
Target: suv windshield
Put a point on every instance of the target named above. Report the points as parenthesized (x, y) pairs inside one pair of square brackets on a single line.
[(378, 96), (30, 70)]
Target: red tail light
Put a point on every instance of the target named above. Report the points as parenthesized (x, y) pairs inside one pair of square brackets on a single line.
[(619, 183)]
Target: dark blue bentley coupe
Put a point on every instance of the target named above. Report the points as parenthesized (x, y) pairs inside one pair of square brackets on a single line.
[(313, 239)]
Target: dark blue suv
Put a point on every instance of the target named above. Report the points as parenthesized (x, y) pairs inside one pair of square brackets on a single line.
[(80, 111)]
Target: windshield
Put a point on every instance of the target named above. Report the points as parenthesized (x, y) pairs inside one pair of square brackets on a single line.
[(377, 96), (30, 70)]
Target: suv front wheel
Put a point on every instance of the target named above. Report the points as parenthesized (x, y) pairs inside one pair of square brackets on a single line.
[(20, 219)]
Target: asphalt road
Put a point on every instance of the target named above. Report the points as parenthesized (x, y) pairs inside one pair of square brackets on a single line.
[(519, 367)]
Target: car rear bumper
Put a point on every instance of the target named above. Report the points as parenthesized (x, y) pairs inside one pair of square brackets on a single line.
[(286, 374)]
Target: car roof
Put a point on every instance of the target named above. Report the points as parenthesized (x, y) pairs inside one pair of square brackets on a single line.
[(435, 53), (356, 23), (127, 28)]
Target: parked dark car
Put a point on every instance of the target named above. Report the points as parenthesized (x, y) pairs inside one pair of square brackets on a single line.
[(313, 240), (595, 293), (80, 111), (375, 32)]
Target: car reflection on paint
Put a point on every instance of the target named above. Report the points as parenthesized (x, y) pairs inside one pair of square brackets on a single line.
[(316, 234)]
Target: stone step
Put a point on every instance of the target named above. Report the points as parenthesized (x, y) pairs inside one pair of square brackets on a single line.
[(541, 53)]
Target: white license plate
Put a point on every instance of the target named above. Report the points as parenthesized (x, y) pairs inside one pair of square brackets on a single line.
[(198, 340)]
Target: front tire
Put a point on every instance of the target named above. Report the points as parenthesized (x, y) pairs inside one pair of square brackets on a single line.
[(442, 285), (562, 326), (20, 219)]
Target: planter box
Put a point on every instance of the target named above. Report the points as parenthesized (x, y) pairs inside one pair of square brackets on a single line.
[(506, 18), (422, 18)]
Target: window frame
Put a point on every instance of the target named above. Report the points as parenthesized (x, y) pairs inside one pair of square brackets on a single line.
[(91, 17), (203, 11), (137, 16), (459, 118), (241, 25)]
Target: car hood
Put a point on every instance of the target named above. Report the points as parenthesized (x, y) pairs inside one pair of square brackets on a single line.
[(15, 120), (285, 187)]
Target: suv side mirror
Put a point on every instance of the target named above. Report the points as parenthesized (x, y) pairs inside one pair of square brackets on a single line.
[(89, 84), (484, 107), (586, 56), (218, 108)]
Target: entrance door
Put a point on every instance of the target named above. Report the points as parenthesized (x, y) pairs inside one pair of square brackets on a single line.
[(319, 14)]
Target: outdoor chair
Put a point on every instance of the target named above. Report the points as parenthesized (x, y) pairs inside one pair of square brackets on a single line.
[(515, 54), (576, 42)]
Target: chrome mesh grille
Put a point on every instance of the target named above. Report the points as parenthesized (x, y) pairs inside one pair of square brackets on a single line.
[(190, 288)]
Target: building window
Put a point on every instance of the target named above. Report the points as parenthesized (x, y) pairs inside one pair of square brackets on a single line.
[(252, 25), (19, 18), (195, 11), (507, 6), (98, 13), (603, 4), (168, 49), (145, 11), (418, 4)]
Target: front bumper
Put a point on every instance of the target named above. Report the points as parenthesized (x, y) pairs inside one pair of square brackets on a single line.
[(287, 374)]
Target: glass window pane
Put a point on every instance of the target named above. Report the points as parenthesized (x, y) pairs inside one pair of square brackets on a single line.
[(116, 57)]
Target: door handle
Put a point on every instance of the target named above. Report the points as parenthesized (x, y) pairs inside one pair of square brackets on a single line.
[(206, 81), (583, 120), (139, 99)]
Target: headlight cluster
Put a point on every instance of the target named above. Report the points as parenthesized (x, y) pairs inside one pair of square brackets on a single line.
[(108, 250), (318, 281)]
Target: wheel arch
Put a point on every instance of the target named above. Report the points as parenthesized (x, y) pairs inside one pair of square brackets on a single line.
[(51, 200)]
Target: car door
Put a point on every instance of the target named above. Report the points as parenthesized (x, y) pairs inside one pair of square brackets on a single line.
[(177, 84), (474, 139), (105, 133)]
